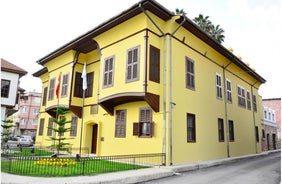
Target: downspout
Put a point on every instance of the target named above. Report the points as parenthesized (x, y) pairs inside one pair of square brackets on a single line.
[(254, 118), (226, 111), (164, 84), (145, 84), (72, 76), (171, 104)]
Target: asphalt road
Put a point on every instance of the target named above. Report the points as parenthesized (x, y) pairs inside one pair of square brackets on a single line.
[(260, 170)]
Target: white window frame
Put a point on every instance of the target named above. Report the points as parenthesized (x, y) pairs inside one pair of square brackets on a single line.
[(109, 73), (241, 96), (228, 90), (64, 89), (132, 65), (218, 79)]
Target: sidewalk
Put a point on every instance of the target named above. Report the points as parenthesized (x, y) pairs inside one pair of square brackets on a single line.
[(132, 176)]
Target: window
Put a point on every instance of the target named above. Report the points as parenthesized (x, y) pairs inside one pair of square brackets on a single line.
[(257, 134), (228, 91), (191, 128), (50, 125), (231, 130), (109, 72), (132, 64), (65, 82), (23, 121), (51, 89), (24, 109), (154, 72), (263, 133), (78, 91), (5, 88), (190, 73), (94, 109), (241, 96), (248, 100), (36, 111), (218, 86), (255, 103), (73, 130), (44, 96), (145, 126), (34, 121), (120, 128), (41, 126), (220, 130), (265, 114)]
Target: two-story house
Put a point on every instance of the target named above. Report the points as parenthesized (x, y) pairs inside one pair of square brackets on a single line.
[(156, 83), (269, 129), (10, 75)]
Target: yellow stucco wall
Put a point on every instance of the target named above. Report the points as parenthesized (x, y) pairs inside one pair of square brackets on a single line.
[(202, 101)]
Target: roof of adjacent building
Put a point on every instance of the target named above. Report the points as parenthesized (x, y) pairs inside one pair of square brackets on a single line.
[(10, 67), (85, 42)]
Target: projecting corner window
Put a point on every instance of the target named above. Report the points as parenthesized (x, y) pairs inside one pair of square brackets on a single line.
[(132, 64), (154, 68), (190, 73), (109, 72), (78, 91), (218, 86), (65, 82), (5, 88), (51, 89)]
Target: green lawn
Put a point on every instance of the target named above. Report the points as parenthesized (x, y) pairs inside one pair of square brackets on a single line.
[(83, 167)]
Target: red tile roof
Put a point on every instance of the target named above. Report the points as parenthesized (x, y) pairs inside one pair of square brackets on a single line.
[(9, 67)]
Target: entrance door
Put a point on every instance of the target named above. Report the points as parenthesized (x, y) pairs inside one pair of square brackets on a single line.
[(267, 141), (94, 138), (274, 140)]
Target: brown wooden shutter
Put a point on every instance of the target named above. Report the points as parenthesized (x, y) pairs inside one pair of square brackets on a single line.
[(136, 129), (154, 70), (152, 129)]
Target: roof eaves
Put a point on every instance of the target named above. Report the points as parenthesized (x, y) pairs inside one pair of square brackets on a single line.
[(193, 28), (150, 5)]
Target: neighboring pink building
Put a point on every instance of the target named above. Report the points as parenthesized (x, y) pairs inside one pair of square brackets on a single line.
[(275, 104), (27, 116)]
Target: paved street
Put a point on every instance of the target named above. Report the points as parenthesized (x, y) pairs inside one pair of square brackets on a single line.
[(258, 170)]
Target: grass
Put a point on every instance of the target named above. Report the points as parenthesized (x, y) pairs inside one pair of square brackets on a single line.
[(82, 167), (26, 152)]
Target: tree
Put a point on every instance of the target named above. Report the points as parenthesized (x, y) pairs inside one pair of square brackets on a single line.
[(6, 133), (58, 142), (180, 12), (208, 27)]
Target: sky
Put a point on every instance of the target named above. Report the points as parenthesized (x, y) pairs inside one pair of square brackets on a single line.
[(31, 29)]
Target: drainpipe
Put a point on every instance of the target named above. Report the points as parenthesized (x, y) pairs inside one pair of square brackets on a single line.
[(171, 104), (164, 83), (145, 84), (254, 119), (226, 112)]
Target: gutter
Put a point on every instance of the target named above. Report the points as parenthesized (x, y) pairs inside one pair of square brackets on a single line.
[(164, 84)]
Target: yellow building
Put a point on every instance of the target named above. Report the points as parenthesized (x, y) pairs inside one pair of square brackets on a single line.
[(156, 83)]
